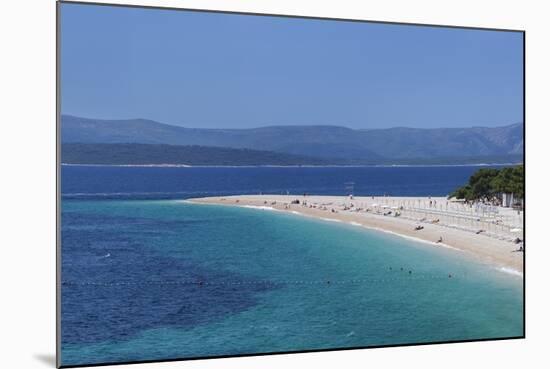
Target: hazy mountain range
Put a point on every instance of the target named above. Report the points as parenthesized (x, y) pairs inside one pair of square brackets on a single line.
[(313, 144)]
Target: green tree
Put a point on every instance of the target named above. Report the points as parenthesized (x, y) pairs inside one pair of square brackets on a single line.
[(488, 184)]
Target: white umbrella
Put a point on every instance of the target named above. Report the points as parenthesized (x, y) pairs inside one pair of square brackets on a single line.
[(515, 230)]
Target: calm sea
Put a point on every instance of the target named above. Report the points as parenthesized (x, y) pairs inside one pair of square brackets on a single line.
[(177, 183), (146, 275)]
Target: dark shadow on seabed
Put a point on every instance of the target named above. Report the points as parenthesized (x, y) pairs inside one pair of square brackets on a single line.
[(48, 359)]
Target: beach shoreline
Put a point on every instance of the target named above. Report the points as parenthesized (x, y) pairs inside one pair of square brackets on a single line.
[(491, 247)]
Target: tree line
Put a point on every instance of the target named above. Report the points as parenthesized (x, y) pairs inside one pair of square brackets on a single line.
[(489, 184)]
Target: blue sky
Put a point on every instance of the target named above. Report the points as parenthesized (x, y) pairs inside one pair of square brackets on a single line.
[(211, 70)]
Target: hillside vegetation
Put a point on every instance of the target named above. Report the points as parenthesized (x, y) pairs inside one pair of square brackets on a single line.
[(143, 154)]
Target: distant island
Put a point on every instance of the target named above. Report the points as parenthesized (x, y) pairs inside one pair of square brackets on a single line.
[(146, 142), (151, 154)]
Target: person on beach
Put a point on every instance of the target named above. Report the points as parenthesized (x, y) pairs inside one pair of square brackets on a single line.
[(440, 239)]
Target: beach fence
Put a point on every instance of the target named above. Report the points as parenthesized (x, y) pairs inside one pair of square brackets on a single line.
[(489, 220)]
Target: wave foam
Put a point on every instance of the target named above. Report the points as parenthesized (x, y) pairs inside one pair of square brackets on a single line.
[(510, 271), (327, 219), (258, 207)]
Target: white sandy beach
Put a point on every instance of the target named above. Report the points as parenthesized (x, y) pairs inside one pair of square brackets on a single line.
[(458, 225)]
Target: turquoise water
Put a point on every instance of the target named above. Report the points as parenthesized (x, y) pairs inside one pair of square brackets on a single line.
[(145, 280)]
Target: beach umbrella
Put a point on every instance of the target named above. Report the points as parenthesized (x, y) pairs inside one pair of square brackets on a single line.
[(515, 230)]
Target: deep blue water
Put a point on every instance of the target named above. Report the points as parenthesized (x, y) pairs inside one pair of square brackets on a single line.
[(172, 183), (148, 276)]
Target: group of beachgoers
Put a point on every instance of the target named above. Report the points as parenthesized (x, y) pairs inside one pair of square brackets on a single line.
[(395, 211)]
